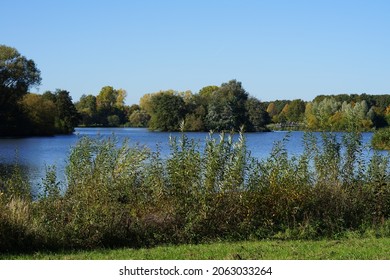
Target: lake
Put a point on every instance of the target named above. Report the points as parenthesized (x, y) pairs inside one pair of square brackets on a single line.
[(35, 153)]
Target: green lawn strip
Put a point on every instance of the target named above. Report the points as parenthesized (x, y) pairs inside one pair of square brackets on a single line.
[(344, 249)]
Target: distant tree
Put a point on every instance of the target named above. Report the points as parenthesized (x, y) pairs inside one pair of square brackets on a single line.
[(145, 103), (66, 115), (17, 75), (113, 120), (40, 113), (139, 118), (295, 111), (387, 115), (110, 102), (196, 108), (106, 99), (275, 108), (133, 108), (323, 111), (120, 98), (258, 116), (87, 109), (193, 122), (167, 111), (355, 116), (220, 116), (271, 110), (207, 92), (227, 110), (310, 120), (282, 117)]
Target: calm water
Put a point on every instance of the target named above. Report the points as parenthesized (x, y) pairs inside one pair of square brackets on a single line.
[(35, 153)]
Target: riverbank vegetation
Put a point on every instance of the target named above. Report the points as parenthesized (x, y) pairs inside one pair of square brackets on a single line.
[(116, 194)]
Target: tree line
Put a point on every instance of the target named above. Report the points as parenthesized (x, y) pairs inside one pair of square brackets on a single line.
[(23, 113), (229, 107), (341, 112), (218, 108)]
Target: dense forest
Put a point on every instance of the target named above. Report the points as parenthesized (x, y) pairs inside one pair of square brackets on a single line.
[(218, 108)]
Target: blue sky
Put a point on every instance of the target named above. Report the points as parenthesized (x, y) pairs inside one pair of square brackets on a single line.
[(277, 49)]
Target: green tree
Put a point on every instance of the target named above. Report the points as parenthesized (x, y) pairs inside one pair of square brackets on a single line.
[(17, 75), (258, 116), (355, 116), (207, 92), (110, 102), (87, 109), (113, 120), (271, 109), (66, 115), (40, 113), (167, 111), (139, 118), (196, 108), (310, 120), (120, 98), (324, 110), (296, 111), (227, 109), (220, 116), (106, 98)]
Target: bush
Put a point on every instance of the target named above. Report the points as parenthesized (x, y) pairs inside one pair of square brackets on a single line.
[(381, 139), (122, 195)]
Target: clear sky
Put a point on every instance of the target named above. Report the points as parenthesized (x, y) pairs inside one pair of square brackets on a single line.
[(277, 49)]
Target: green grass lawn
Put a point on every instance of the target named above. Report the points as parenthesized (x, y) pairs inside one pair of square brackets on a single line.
[(343, 249)]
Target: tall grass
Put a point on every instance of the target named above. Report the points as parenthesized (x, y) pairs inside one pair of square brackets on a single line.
[(121, 195)]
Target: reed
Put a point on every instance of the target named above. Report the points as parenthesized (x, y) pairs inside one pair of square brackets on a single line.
[(116, 194)]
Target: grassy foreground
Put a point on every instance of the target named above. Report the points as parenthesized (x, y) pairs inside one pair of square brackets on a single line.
[(343, 249)]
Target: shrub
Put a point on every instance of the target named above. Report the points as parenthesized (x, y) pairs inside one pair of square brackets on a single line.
[(381, 139), (122, 195)]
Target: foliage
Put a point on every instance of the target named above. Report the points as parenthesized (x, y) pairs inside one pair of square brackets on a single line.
[(40, 113), (139, 118), (381, 139), (16, 226), (122, 195), (167, 111), (257, 115), (331, 115), (106, 109), (87, 109), (17, 75), (296, 110), (227, 107), (223, 108), (66, 117)]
